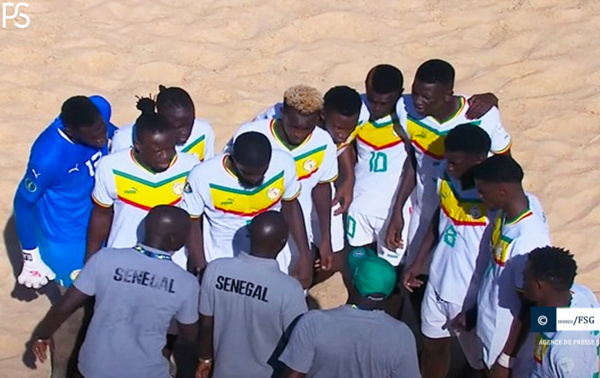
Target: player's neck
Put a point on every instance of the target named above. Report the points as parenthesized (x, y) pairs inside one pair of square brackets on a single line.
[(558, 299), (282, 135), (155, 243), (518, 205), (141, 163), (448, 111)]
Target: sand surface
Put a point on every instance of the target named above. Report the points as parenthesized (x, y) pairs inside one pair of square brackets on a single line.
[(541, 57)]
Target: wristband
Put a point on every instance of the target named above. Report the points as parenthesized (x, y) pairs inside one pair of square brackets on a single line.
[(505, 361), (205, 360)]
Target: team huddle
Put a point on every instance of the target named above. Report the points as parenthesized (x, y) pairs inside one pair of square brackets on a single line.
[(178, 252)]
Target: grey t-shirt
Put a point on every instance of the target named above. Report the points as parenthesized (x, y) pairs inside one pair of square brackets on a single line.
[(253, 303), (348, 342), (136, 298)]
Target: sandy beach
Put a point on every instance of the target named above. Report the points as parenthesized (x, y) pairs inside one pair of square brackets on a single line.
[(541, 58)]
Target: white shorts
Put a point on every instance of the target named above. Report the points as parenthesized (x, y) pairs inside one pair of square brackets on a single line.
[(436, 315), (364, 229), (337, 230)]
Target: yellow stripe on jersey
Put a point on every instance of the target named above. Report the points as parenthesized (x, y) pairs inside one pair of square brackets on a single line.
[(429, 140), (379, 135), (196, 147), (248, 202), (144, 194), (500, 243), (462, 212), (309, 162), (541, 347)]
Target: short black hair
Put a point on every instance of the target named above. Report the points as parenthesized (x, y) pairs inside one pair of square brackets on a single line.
[(499, 169), (343, 100), (386, 78), (173, 97), (252, 149), (468, 138), (149, 121), (79, 111), (436, 71), (554, 265)]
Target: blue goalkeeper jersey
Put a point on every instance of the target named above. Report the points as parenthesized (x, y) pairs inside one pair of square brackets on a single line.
[(53, 201)]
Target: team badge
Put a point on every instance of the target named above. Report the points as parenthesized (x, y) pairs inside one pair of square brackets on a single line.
[(309, 165), (74, 274), (178, 188), (273, 193), (30, 185)]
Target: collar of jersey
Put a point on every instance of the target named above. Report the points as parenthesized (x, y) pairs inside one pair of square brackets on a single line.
[(258, 260), (172, 163), (284, 144), (153, 250), (462, 102), (524, 214), (64, 135), (227, 168)]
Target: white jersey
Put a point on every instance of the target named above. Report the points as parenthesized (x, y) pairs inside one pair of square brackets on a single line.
[(315, 160), (555, 358), (201, 141), (427, 136), (498, 300), (462, 224), (381, 155), (215, 192), (132, 190)]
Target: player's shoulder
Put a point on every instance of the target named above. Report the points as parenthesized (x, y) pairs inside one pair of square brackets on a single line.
[(261, 126), (116, 159), (124, 131), (207, 168), (323, 137), (187, 160), (582, 296), (52, 141), (203, 126), (281, 159)]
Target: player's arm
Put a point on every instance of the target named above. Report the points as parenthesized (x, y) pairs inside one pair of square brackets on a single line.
[(407, 185), (292, 213), (410, 278), (40, 175), (291, 373), (479, 104), (103, 197), (206, 346), (195, 245), (345, 182), (321, 196), (98, 229), (519, 328)]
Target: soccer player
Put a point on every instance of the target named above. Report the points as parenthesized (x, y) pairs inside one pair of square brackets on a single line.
[(358, 339), (381, 156), (519, 227), (548, 282), (458, 226), (129, 183), (138, 290), (296, 133), (247, 305), (52, 205), (426, 116), (232, 188), (340, 118), (194, 136)]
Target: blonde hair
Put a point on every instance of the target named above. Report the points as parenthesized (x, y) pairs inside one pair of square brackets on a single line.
[(305, 99)]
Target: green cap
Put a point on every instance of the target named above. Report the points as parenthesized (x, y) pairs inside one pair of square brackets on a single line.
[(371, 275)]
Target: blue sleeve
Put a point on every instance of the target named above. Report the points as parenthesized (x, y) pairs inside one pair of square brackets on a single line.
[(40, 174)]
